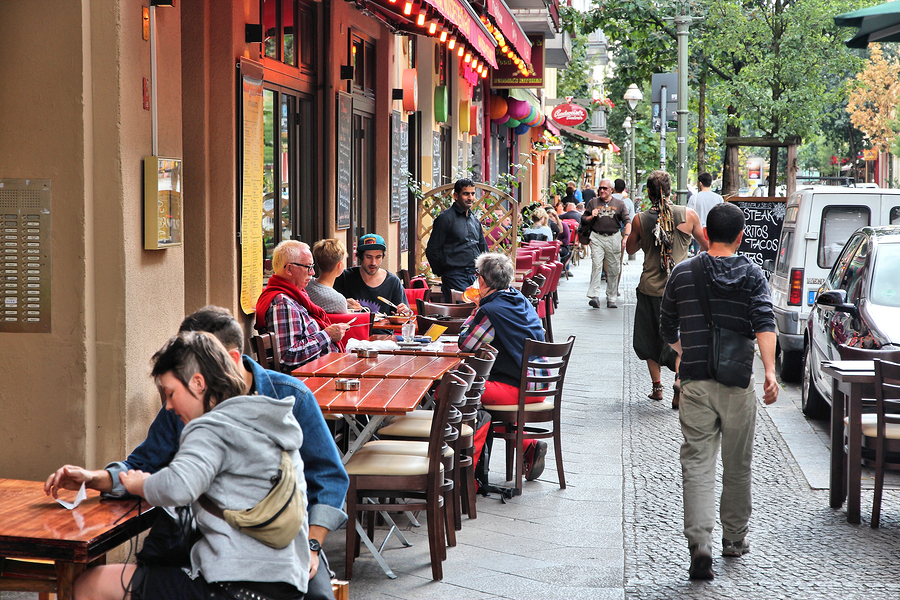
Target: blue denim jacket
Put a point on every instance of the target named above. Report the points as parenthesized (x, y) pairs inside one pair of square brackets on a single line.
[(326, 479)]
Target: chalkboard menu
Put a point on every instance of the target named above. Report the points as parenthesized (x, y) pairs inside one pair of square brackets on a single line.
[(762, 228), (436, 159), (404, 192), (396, 190), (344, 158)]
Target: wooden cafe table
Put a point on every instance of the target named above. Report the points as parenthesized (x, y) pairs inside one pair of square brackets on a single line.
[(853, 380), (34, 527)]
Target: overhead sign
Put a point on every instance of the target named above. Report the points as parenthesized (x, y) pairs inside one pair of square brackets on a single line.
[(569, 114), (507, 75)]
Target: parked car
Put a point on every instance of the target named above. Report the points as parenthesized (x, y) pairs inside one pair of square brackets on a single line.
[(858, 306), (817, 223)]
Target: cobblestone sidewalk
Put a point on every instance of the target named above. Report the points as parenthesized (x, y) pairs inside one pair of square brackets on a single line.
[(801, 548)]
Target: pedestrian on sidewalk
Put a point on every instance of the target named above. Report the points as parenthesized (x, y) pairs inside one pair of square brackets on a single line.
[(603, 217), (713, 413), (664, 234)]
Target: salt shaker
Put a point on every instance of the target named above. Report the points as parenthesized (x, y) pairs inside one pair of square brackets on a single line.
[(409, 331)]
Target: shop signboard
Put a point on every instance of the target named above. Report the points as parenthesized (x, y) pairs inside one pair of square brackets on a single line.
[(507, 74), (568, 114)]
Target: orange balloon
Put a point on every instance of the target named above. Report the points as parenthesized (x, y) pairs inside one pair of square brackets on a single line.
[(498, 107)]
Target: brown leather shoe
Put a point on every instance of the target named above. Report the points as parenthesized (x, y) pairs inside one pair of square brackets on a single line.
[(676, 399)]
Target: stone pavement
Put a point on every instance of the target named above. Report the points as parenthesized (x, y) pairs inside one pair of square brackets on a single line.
[(615, 531)]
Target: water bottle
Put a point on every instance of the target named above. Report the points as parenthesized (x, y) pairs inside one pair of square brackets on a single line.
[(408, 332)]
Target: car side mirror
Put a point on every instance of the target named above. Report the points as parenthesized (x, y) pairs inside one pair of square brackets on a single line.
[(836, 300), (768, 265)]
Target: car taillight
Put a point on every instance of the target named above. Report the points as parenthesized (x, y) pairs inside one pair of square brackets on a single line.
[(796, 296)]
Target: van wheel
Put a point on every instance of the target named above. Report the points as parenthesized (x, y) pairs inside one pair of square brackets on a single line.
[(811, 401), (791, 365)]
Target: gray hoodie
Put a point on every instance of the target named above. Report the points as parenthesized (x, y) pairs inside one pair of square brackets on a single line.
[(230, 454)]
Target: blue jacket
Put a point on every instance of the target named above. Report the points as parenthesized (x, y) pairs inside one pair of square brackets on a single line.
[(326, 479)]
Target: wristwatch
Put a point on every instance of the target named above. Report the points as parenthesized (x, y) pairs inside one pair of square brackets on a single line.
[(314, 545)]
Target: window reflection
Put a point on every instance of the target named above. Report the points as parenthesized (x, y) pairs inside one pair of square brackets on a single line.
[(270, 28), (290, 27), (268, 218), (287, 117)]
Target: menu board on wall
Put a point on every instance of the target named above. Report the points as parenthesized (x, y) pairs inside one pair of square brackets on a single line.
[(436, 159), (396, 188), (404, 192), (25, 219), (344, 158), (251, 185), (762, 229)]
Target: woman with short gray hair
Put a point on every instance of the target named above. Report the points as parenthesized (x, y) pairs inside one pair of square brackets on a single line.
[(505, 319)]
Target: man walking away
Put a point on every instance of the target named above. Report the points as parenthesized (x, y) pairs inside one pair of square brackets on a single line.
[(456, 241), (604, 216), (713, 413), (703, 201)]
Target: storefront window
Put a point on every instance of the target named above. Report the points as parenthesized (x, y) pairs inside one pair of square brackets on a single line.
[(289, 32), (290, 27), (269, 180)]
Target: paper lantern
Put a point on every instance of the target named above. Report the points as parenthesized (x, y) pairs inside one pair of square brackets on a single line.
[(498, 106), (501, 120), (441, 104), (517, 109), (464, 115), (410, 90), (512, 123), (522, 128), (535, 120)]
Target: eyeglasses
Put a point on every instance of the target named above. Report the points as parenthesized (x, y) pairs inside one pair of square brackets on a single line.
[(309, 268), (603, 187)]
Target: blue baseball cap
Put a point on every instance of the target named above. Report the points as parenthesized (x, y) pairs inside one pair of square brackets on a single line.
[(370, 241)]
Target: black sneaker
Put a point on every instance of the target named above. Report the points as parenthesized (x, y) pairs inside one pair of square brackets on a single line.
[(738, 548), (537, 461), (594, 302), (701, 562)]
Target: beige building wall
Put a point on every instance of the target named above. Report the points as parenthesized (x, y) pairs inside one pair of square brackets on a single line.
[(71, 110)]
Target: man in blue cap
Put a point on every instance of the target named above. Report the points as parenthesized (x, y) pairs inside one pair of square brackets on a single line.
[(369, 281)]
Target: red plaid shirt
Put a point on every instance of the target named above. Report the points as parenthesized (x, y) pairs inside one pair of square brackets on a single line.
[(298, 336)]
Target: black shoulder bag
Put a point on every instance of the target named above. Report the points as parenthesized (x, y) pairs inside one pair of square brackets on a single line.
[(730, 355)]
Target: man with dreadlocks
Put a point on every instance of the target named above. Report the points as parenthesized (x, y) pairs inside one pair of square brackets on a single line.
[(664, 234)]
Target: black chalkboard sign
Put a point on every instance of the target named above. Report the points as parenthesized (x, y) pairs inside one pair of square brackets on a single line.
[(395, 167), (344, 158), (762, 228), (404, 195), (436, 159)]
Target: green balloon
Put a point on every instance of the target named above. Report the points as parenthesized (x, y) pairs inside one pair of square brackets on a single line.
[(512, 123)]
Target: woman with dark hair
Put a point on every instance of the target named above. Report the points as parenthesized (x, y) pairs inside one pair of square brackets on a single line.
[(504, 319), (664, 233), (230, 451)]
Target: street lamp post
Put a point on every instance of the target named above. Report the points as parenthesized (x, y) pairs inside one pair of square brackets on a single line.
[(633, 96), (629, 168)]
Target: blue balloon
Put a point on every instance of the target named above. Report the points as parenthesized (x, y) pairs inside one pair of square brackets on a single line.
[(522, 128)]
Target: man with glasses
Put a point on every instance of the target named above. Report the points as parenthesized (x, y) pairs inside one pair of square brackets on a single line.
[(369, 282), (605, 216), (302, 330)]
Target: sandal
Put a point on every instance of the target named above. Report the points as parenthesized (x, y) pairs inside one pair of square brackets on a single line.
[(676, 399), (657, 393)]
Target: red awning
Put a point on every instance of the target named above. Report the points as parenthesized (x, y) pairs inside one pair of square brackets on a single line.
[(585, 137), (614, 148), (457, 12), (510, 28)]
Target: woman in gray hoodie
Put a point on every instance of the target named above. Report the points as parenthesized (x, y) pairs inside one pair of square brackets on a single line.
[(230, 449)]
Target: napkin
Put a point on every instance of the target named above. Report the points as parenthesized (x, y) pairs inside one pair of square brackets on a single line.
[(79, 497)]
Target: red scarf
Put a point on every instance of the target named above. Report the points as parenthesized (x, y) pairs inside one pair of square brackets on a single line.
[(278, 285)]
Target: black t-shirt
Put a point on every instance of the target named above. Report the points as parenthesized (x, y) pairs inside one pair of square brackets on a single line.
[(351, 285)]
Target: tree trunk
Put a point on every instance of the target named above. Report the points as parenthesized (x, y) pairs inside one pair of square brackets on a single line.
[(773, 169), (731, 173), (701, 126)]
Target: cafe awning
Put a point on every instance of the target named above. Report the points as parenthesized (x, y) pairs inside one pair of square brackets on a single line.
[(585, 137), (431, 17), (876, 24), (510, 28)]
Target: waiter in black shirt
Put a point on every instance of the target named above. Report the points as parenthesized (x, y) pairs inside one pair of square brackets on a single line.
[(456, 241)]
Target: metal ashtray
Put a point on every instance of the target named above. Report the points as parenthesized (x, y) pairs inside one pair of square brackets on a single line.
[(347, 385), (366, 353)]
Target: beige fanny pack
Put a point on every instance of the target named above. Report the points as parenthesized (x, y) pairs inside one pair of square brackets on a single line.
[(276, 519)]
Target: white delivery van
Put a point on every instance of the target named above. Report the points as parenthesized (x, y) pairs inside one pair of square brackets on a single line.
[(817, 223)]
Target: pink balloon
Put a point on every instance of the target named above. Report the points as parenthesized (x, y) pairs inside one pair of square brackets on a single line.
[(518, 109), (501, 120)]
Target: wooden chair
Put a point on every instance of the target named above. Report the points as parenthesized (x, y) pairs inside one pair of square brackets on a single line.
[(457, 297), (417, 479), (514, 423), (453, 325), (882, 429), (266, 350), (430, 309)]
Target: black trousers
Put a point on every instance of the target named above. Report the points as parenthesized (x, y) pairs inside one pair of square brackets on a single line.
[(456, 279)]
